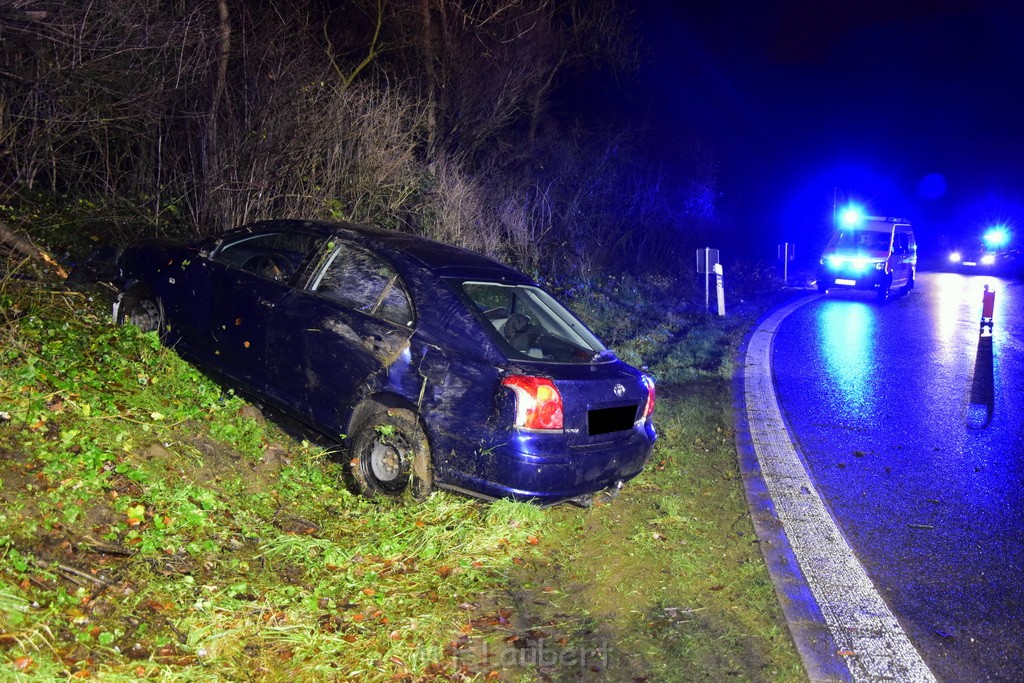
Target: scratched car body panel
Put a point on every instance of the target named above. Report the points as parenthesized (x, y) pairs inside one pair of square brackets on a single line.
[(442, 367)]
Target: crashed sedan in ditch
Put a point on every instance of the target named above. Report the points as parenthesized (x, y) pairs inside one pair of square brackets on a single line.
[(439, 366)]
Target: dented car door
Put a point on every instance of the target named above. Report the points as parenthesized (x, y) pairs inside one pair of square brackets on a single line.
[(340, 337)]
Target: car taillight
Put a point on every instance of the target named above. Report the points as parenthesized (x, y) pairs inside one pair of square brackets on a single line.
[(649, 407), (538, 403)]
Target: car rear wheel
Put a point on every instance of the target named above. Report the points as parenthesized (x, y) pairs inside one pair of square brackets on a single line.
[(391, 455), (140, 308)]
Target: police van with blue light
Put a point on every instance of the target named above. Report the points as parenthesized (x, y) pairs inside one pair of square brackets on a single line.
[(876, 253), (994, 254)]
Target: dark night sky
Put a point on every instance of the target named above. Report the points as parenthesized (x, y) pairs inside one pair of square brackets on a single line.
[(913, 108)]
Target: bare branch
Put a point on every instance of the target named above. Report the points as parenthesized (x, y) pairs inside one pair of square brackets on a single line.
[(25, 247)]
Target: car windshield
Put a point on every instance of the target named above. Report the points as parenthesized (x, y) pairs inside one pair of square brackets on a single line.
[(529, 324), (863, 240)]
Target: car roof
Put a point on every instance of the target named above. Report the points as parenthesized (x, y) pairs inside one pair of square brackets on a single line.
[(442, 259)]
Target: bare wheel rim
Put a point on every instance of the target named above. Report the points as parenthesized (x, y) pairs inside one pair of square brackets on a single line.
[(386, 462), (391, 455), (145, 315)]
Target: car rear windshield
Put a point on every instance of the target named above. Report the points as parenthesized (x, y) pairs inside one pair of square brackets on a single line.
[(529, 324)]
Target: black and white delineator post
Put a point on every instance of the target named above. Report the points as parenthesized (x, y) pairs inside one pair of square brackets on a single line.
[(787, 252), (708, 263), (720, 288)]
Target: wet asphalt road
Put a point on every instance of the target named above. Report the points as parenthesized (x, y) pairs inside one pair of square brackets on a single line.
[(879, 398)]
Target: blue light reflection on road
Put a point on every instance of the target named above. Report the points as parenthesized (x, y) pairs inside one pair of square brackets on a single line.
[(877, 398), (953, 308), (847, 341)]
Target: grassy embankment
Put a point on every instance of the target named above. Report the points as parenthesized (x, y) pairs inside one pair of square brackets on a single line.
[(154, 525)]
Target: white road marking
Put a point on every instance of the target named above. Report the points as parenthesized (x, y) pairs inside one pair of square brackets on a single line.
[(870, 639)]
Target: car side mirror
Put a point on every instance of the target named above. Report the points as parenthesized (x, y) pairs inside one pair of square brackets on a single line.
[(209, 247)]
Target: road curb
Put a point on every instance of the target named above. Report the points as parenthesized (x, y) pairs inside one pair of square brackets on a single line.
[(814, 642), (841, 625)]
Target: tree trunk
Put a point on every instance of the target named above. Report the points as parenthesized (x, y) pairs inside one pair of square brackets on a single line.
[(24, 246), (209, 158), (427, 48)]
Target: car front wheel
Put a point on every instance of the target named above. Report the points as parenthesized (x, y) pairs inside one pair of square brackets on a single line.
[(883, 289), (140, 308), (391, 455)]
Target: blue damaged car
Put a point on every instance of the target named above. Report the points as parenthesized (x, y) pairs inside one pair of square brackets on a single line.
[(441, 367)]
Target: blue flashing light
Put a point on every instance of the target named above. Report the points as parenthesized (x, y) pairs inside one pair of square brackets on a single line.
[(996, 237), (851, 216), (852, 263)]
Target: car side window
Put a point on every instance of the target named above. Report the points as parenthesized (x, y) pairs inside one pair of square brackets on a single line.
[(901, 242), (273, 255), (358, 279)]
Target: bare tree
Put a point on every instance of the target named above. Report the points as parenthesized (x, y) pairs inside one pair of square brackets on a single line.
[(431, 116), (93, 89)]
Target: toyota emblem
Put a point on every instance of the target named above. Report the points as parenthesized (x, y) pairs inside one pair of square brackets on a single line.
[(619, 390)]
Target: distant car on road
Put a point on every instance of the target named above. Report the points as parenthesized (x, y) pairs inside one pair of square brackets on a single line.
[(441, 367), (870, 253), (992, 254)]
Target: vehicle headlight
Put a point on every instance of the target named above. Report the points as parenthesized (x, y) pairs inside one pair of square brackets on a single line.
[(954, 257), (988, 259), (879, 265), (835, 262)]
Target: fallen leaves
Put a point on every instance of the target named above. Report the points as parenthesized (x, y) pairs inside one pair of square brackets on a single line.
[(499, 618), (23, 664), (136, 515), (158, 606), (172, 655), (137, 652)]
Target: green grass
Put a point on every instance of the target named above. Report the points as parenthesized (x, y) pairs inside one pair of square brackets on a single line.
[(154, 525), (151, 526), (667, 579)]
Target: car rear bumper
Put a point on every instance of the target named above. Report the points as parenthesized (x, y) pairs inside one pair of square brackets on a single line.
[(512, 471)]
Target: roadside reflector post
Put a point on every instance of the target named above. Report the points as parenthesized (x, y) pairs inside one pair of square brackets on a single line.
[(707, 262), (988, 303), (720, 288), (787, 252)]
